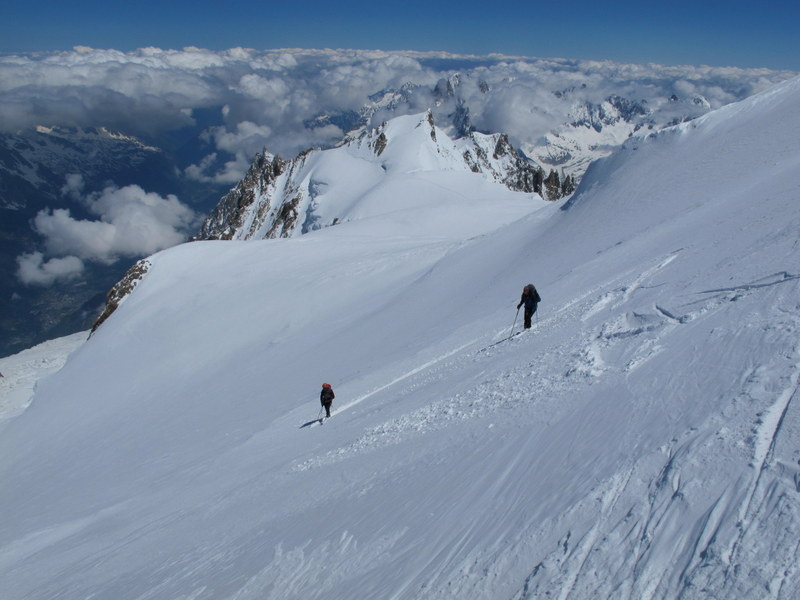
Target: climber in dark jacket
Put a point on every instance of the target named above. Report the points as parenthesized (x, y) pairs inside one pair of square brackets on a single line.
[(530, 298), (326, 397)]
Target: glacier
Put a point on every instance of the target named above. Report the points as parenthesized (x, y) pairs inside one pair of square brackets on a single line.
[(640, 441)]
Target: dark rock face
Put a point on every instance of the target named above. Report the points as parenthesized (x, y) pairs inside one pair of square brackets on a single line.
[(433, 127), (521, 176), (228, 216), (380, 144), (628, 109), (461, 120), (286, 220), (612, 111), (121, 290), (552, 185)]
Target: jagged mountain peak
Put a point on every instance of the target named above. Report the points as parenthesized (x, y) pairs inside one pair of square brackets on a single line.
[(397, 128), (446, 87), (320, 188)]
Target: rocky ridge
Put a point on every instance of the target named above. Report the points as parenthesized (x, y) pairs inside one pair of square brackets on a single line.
[(280, 198)]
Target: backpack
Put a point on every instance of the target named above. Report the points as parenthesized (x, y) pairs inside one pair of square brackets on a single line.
[(530, 290)]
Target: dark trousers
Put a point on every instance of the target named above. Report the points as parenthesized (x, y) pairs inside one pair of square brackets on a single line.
[(528, 316), (327, 406)]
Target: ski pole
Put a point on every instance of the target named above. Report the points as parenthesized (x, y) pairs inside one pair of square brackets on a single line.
[(513, 324)]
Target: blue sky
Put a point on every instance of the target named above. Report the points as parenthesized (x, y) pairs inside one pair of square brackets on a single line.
[(712, 32)]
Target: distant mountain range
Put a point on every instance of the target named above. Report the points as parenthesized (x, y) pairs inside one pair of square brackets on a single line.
[(35, 164), (590, 130)]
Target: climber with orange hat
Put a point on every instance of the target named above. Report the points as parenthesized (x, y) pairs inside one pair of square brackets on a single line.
[(326, 397)]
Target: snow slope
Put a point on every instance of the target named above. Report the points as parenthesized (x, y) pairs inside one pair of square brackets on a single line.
[(642, 441), (23, 370)]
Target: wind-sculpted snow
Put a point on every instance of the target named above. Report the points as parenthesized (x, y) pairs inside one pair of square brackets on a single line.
[(639, 442)]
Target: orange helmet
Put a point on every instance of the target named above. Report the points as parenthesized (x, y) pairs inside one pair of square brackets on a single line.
[(326, 385)]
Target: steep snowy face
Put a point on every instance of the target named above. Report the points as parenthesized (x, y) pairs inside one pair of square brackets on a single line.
[(320, 188)]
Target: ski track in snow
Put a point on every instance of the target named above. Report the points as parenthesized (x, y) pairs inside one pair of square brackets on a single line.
[(411, 373), (628, 339), (541, 378), (526, 384)]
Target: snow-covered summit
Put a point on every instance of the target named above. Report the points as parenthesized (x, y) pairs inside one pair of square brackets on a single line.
[(582, 124), (641, 441), (320, 188)]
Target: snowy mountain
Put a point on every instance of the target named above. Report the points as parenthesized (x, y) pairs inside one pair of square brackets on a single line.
[(320, 188), (641, 441), (189, 122), (589, 129), (593, 131)]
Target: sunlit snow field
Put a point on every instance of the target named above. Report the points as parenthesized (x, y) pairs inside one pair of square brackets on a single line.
[(640, 441)]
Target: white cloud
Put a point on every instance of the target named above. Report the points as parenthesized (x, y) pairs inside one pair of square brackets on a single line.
[(65, 235), (271, 90), (33, 270), (200, 171), (243, 143), (247, 137), (74, 186), (210, 169), (265, 98), (131, 222)]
